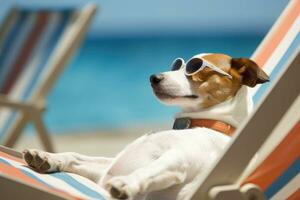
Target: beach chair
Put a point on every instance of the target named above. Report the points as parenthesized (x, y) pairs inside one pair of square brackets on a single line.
[(35, 46), (263, 159)]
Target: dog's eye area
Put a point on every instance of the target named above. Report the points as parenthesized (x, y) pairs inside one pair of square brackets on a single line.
[(193, 66), (177, 64)]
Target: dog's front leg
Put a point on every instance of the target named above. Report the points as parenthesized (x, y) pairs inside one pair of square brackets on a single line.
[(89, 167), (168, 170)]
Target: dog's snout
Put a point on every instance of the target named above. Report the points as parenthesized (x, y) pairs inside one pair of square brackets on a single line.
[(156, 78)]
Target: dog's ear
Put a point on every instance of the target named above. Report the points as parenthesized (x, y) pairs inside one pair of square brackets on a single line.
[(248, 72)]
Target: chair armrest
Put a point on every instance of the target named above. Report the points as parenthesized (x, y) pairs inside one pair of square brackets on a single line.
[(245, 192), (13, 104)]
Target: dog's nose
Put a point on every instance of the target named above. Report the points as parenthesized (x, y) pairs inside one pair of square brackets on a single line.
[(155, 79)]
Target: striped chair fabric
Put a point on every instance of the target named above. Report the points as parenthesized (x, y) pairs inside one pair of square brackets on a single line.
[(27, 39), (278, 46), (280, 168), (278, 175), (66, 185)]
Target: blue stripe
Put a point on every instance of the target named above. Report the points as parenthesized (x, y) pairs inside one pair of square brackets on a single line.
[(31, 175), (5, 161), (46, 53), (9, 28), (278, 68), (27, 173), (77, 185), (282, 180), (11, 35), (7, 47)]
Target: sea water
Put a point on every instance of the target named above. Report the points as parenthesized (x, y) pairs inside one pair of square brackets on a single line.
[(106, 86)]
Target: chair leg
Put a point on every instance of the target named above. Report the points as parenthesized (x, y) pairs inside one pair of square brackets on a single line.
[(42, 132), (16, 132)]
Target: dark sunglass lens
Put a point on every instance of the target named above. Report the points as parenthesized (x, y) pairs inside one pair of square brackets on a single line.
[(193, 65), (177, 64)]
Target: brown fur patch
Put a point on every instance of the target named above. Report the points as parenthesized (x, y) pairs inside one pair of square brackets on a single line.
[(214, 87), (217, 88)]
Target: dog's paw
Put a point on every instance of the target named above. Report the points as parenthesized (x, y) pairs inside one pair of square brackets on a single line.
[(41, 161), (120, 188)]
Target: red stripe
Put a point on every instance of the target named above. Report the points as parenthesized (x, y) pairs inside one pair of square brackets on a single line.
[(26, 51), (277, 35), (278, 161), (7, 156), (295, 195), (15, 173)]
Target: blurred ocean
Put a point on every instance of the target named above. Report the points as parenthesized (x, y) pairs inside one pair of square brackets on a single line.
[(107, 85)]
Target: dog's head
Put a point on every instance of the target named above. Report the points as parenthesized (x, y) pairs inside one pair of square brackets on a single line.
[(208, 86)]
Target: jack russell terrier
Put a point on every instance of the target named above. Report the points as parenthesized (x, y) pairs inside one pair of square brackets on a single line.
[(212, 91)]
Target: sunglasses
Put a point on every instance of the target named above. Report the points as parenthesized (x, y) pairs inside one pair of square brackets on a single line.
[(195, 65)]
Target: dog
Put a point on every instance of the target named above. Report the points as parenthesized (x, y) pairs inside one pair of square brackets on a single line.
[(212, 91)]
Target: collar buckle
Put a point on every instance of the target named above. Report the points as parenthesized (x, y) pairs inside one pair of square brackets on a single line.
[(182, 123)]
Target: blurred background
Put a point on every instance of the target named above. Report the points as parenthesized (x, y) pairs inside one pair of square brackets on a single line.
[(104, 98)]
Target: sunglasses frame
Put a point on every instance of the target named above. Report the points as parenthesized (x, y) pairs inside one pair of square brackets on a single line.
[(206, 64), (175, 60)]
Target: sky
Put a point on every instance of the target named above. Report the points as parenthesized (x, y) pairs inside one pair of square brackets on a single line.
[(171, 17)]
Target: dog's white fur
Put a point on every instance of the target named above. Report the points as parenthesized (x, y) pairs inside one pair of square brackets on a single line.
[(165, 165)]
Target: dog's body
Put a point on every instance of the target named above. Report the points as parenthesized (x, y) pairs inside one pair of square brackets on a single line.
[(169, 164)]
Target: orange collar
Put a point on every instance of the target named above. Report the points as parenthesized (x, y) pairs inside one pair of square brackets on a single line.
[(185, 123)]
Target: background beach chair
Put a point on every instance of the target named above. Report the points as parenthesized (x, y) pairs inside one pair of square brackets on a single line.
[(35, 46), (272, 133)]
